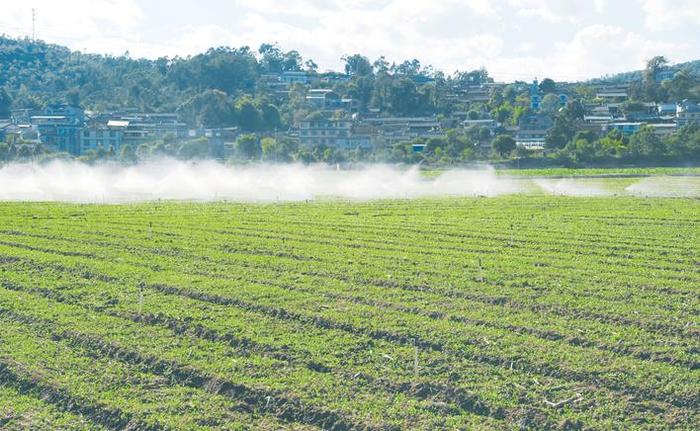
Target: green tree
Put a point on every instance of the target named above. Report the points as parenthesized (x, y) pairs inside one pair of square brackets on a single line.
[(5, 103), (679, 87), (652, 90), (270, 117), (645, 145), (434, 143), (311, 66), (548, 86), (274, 150), (357, 65), (249, 117), (4, 152), (194, 149), (550, 104), (611, 147), (128, 155), (248, 147), (685, 143), (211, 108), (503, 113), (561, 132), (143, 151), (503, 145), (404, 97)]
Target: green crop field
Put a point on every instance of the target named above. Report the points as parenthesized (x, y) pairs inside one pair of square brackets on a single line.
[(512, 312)]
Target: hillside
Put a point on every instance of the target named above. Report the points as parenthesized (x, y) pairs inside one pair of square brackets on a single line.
[(693, 67), (35, 73)]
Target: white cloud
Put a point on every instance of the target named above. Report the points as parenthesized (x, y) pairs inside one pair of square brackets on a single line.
[(594, 51), (670, 15), (574, 39), (81, 19), (556, 10)]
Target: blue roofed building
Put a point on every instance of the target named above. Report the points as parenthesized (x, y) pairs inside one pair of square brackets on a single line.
[(59, 128)]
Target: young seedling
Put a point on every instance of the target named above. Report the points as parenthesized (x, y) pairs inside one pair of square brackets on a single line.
[(141, 300), (415, 361)]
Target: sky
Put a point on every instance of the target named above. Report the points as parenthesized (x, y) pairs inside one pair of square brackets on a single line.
[(567, 40)]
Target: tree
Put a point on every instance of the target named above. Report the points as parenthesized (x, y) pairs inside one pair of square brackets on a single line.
[(434, 143), (194, 149), (653, 67), (459, 145), (550, 104), (645, 145), (678, 88), (403, 97), (249, 117), (584, 151), (503, 145), (611, 147), (360, 89), (227, 69), (5, 103), (561, 132), (211, 108), (72, 97), (575, 110), (381, 66), (503, 113), (291, 61), (357, 65), (269, 149), (632, 107), (475, 77), (143, 151), (127, 154), (248, 147), (4, 152), (548, 86), (25, 152), (272, 58), (651, 87), (408, 68), (311, 66), (270, 117), (685, 143)]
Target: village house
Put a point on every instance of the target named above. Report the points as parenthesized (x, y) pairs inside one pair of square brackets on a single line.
[(392, 130), (532, 131), (294, 77), (59, 128), (687, 112), (626, 127), (340, 134), (324, 99)]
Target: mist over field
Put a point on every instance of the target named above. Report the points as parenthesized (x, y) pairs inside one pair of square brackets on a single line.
[(69, 181)]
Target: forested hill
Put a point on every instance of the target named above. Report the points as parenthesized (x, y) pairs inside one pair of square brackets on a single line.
[(35, 73), (692, 68), (231, 86)]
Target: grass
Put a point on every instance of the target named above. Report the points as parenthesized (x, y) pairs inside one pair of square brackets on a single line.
[(535, 312), (584, 172), (604, 172)]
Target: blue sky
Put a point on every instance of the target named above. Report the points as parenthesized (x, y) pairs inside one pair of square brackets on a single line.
[(513, 39)]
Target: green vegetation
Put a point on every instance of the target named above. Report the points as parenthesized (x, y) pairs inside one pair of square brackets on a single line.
[(231, 87), (599, 172), (517, 312)]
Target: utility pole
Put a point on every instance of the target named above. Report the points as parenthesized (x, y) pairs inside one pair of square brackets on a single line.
[(33, 24)]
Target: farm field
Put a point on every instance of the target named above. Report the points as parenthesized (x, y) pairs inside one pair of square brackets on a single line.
[(631, 172), (511, 312), (603, 172)]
